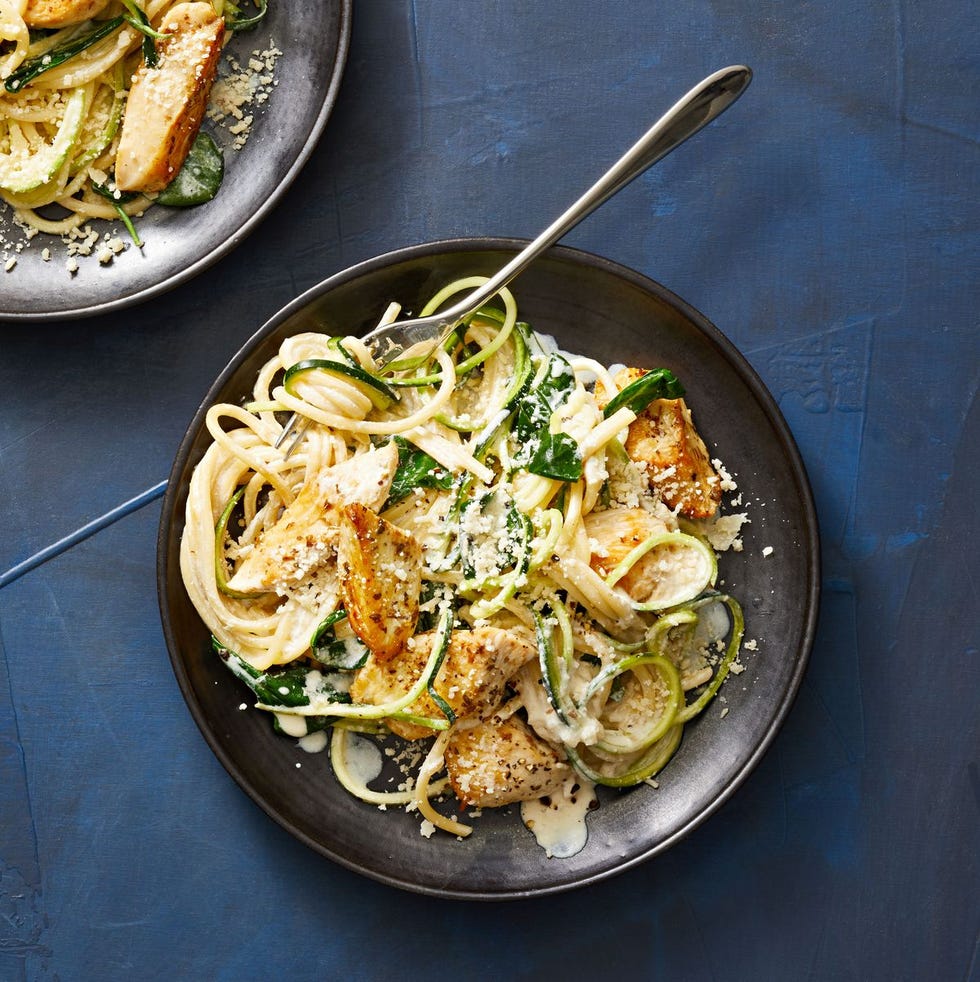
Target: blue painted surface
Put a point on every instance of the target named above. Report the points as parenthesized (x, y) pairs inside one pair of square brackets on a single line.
[(829, 225)]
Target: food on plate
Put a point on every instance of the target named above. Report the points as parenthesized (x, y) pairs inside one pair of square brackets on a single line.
[(499, 552), (101, 106)]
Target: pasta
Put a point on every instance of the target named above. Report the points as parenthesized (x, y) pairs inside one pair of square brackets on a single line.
[(69, 69), (498, 547)]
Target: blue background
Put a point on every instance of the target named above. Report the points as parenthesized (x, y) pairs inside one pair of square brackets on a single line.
[(828, 224)]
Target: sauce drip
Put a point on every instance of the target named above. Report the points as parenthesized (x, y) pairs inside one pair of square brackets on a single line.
[(558, 821)]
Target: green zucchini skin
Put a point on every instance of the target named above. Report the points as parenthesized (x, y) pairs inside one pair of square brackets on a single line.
[(380, 394)]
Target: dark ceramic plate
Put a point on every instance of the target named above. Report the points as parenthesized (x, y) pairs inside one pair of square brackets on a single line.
[(180, 243), (594, 307)]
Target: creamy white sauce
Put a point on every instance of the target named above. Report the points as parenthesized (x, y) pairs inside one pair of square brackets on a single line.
[(713, 624), (363, 758), (292, 725), (295, 726), (313, 743), (580, 727), (558, 821)]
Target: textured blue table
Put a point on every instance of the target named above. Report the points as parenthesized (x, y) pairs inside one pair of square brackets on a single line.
[(828, 224)]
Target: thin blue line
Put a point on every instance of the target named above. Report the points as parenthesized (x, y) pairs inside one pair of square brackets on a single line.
[(79, 535)]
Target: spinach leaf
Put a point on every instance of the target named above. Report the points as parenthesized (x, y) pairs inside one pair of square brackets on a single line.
[(661, 383), (344, 654), (554, 455), (112, 194), (285, 688), (198, 179), (557, 457), (416, 469)]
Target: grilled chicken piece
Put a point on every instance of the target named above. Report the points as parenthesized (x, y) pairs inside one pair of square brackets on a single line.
[(166, 104), (307, 532), (381, 577), (471, 679), (663, 437), (497, 762), (54, 14), (615, 532)]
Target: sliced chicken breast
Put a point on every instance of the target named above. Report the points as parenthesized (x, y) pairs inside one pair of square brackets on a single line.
[(471, 680), (678, 465), (167, 102), (614, 533), (381, 577), (307, 532), (55, 14), (494, 763)]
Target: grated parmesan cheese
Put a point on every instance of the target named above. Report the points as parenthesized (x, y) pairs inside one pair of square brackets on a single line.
[(239, 89), (727, 482)]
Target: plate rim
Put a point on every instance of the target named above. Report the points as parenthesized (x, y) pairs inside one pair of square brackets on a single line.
[(242, 231), (758, 390)]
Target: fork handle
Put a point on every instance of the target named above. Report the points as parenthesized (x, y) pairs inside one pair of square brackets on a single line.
[(708, 99)]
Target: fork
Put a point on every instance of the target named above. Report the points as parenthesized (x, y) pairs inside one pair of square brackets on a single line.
[(698, 107)]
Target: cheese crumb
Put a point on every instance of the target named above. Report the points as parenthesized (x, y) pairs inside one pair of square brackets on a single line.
[(727, 481), (723, 531)]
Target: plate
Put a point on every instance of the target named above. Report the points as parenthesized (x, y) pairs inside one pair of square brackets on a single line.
[(594, 307), (180, 243)]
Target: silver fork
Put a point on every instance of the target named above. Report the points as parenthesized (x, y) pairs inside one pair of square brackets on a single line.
[(707, 100)]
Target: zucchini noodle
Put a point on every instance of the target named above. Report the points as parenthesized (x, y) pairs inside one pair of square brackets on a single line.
[(478, 506)]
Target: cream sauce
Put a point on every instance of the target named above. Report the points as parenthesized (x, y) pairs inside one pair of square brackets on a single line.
[(313, 743), (291, 724), (363, 758), (558, 821)]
